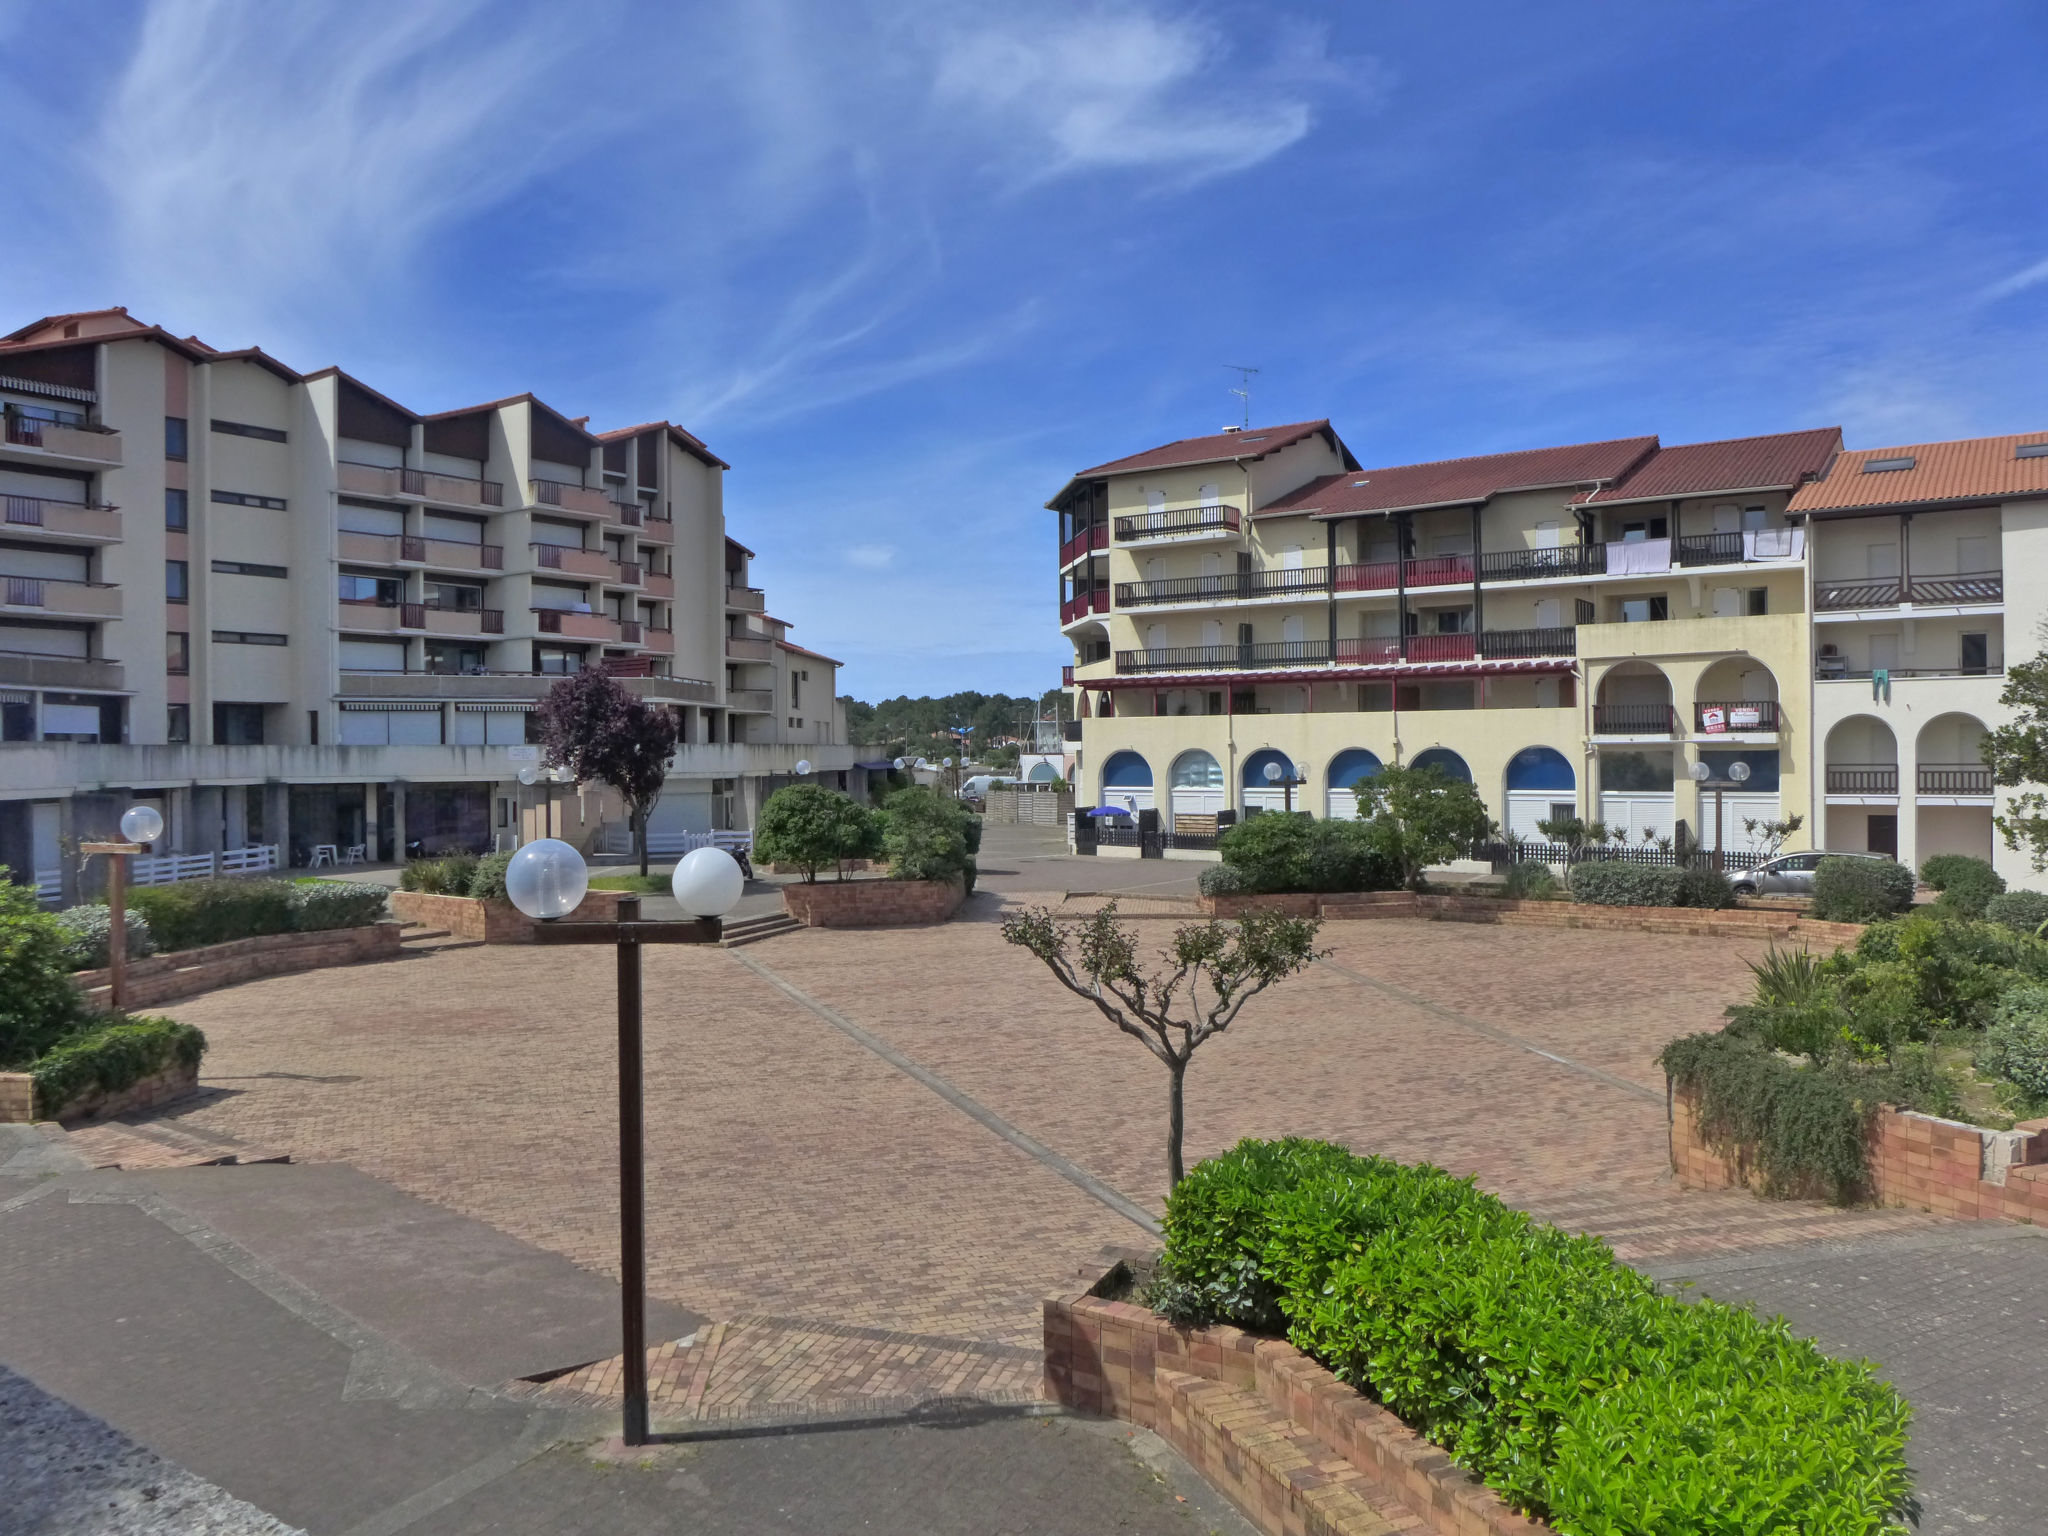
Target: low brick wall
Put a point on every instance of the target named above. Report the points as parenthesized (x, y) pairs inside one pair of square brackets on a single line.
[(1106, 1357), (186, 972), (872, 903), (493, 922), (17, 1096), (1915, 1160), (1359, 906)]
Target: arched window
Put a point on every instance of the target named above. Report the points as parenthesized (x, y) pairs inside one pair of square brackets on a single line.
[(1346, 769), (1197, 770), (1255, 767), (1445, 761), (1541, 768), (1126, 770), (1541, 787)]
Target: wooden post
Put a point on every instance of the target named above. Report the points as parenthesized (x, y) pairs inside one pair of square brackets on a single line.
[(117, 913)]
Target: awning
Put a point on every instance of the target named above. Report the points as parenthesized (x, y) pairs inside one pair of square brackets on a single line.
[(882, 767), (387, 706), (497, 707)]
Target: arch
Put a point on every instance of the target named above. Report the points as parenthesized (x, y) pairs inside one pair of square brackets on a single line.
[(1736, 679), (1197, 784), (1955, 739), (1634, 699), (1126, 782), (1342, 776), (1271, 797), (1254, 772), (1861, 785), (1444, 760), (1541, 768), (1541, 786), (1862, 739), (1043, 773)]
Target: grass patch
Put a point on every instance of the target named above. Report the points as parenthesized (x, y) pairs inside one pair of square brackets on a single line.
[(645, 885)]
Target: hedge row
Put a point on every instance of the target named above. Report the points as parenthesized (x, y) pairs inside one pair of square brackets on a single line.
[(196, 912), (1615, 884), (110, 1059), (1555, 1373)]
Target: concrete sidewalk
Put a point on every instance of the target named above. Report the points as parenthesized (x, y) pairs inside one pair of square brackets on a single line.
[(208, 1348)]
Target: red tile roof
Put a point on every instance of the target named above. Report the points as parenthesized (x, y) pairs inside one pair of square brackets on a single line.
[(688, 442), (1461, 482), (1221, 448), (1778, 462), (814, 655), (1969, 469)]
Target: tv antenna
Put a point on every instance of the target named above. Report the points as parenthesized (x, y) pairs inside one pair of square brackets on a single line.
[(1244, 387)]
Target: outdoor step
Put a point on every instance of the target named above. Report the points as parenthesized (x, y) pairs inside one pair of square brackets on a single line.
[(1283, 1478), (413, 932), (151, 1144), (751, 930)]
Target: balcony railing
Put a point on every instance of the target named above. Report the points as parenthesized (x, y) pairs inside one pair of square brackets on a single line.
[(1707, 549), (1183, 520), (1421, 650), (74, 439), (629, 573), (1955, 779), (1084, 603), (76, 519), (1067, 675), (749, 648), (1237, 584), (1372, 576), (1971, 587), (1736, 715), (1535, 564), (84, 599), (1863, 778), (1634, 720), (572, 498), (1440, 571), (1081, 543), (746, 599), (1525, 644), (629, 632), (1201, 658)]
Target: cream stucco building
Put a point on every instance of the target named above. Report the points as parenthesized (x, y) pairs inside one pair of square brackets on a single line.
[(294, 612)]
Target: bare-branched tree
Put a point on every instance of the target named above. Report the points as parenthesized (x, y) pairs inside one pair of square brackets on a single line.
[(1192, 994)]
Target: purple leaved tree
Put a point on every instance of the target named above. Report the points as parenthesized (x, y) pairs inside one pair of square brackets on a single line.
[(592, 726)]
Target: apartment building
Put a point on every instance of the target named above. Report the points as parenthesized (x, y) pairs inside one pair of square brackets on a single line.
[(1911, 549), (1570, 629), (294, 612)]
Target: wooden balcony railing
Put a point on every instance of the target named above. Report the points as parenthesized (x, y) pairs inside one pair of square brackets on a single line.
[(1083, 542), (629, 573), (1863, 778), (1084, 603), (1955, 779), (1182, 520)]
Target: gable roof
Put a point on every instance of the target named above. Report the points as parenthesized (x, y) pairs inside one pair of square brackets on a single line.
[(794, 648), (1462, 482), (1967, 469), (1230, 447), (1780, 461), (688, 442)]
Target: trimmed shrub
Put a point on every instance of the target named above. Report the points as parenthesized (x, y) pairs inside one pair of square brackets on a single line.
[(1860, 890), (111, 1058), (487, 882), (92, 927), (813, 828), (1352, 856), (449, 876), (1618, 884), (924, 835), (1967, 885), (196, 912), (1224, 880), (2022, 911), (1529, 882), (1703, 886), (1555, 1373), (2015, 1047), (338, 904), (38, 1004), (1270, 851)]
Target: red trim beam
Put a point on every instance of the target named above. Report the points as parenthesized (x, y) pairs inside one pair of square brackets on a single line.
[(1554, 666)]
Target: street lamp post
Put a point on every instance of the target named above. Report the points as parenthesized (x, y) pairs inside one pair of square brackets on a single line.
[(1738, 773), (546, 880), (140, 824), (1275, 774)]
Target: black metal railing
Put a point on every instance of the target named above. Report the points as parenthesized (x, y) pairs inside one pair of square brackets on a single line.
[(1707, 549), (1521, 644), (1633, 719), (1863, 778), (1533, 564), (1833, 669), (1737, 715), (1955, 779), (1195, 589), (1197, 658), (1149, 525)]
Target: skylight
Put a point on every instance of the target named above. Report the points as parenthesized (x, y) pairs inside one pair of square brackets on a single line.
[(2031, 451), (1885, 466), (1356, 483), (1256, 438)]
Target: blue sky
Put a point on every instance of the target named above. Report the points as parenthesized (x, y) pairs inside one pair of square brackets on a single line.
[(907, 265)]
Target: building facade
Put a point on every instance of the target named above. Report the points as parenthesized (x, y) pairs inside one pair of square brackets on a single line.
[(293, 612), (1586, 630)]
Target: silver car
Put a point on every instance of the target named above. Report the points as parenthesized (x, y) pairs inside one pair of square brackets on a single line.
[(1789, 874)]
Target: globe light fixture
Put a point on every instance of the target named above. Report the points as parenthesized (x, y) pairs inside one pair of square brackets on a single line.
[(563, 774), (546, 879), (707, 882), (1700, 772), (529, 775), (947, 761), (1739, 772), (803, 767), (902, 763), (922, 763), (142, 824), (1273, 773)]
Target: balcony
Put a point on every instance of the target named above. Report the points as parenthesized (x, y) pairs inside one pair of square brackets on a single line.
[(439, 554), (1084, 542), (1180, 523), (625, 573), (487, 685), (437, 620), (1564, 561), (574, 562), (1738, 717), (61, 599), (1082, 604), (628, 513), (1972, 779), (1388, 651), (21, 669), (571, 625), (750, 701), (745, 600), (1863, 778), (1440, 571), (94, 445), (661, 640), (1306, 581), (33, 515), (561, 495), (658, 583), (656, 529), (1978, 588), (748, 648), (1067, 675), (1634, 720), (417, 485)]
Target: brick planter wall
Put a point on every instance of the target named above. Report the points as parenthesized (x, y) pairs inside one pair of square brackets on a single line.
[(17, 1091), (1356, 906), (872, 903), (494, 922), (1914, 1160), (1108, 1357), (186, 972)]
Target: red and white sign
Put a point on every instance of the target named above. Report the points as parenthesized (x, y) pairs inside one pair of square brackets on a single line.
[(1713, 720)]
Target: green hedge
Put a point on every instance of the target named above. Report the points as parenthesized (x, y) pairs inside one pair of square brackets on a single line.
[(336, 904), (197, 912), (2024, 911), (1273, 853), (449, 876), (92, 931), (1542, 1364), (110, 1059), (1861, 890)]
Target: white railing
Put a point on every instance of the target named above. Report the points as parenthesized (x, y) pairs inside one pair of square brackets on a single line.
[(617, 837), (169, 868), (49, 884)]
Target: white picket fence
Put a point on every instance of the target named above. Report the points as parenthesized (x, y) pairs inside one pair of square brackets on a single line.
[(617, 837), (170, 868)]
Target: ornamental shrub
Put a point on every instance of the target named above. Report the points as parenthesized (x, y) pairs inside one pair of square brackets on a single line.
[(1967, 885), (450, 875), (2015, 1047), (110, 1058), (924, 835), (813, 828), (1353, 856), (196, 912), (1270, 851), (1617, 884), (1701, 885), (2022, 911), (1558, 1375), (38, 1004), (344, 903), (1860, 890), (487, 881), (1529, 882), (1223, 880), (91, 928)]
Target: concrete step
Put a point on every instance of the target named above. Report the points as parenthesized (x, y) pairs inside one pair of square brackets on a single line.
[(1283, 1478), (751, 930), (413, 932), (143, 1143)]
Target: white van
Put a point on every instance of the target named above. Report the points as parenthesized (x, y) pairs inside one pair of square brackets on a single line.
[(976, 788)]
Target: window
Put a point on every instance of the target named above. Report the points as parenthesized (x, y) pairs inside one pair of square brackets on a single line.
[(448, 658), (245, 568), (247, 637), (243, 429), (796, 691), (380, 590), (237, 499), (177, 581), (455, 597), (1644, 610), (177, 653), (1886, 466), (557, 659), (1976, 654), (178, 724), (177, 509), (174, 437), (238, 725), (1758, 601), (2031, 451), (312, 715)]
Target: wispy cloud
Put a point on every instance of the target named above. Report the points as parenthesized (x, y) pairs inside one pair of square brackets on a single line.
[(2019, 282), (871, 557)]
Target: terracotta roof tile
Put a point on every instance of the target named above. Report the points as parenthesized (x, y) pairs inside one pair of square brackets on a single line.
[(1220, 448), (1969, 469), (1459, 482), (1780, 461), (789, 645)]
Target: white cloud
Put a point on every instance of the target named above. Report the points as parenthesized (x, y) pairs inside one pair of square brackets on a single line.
[(871, 557), (2019, 282)]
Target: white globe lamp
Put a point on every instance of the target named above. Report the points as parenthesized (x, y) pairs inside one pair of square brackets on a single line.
[(546, 879), (707, 882), (563, 774), (902, 763), (529, 775), (142, 824), (1272, 773), (1700, 773), (1739, 772), (803, 767)]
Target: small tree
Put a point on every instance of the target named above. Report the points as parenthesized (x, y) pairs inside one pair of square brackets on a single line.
[(810, 826), (1433, 817), (2017, 753), (1773, 835), (592, 726), (928, 836), (1192, 995)]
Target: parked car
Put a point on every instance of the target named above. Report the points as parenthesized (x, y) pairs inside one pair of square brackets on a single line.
[(975, 790), (1789, 874)]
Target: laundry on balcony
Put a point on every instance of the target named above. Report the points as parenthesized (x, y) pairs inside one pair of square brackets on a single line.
[(1786, 544), (1639, 557)]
